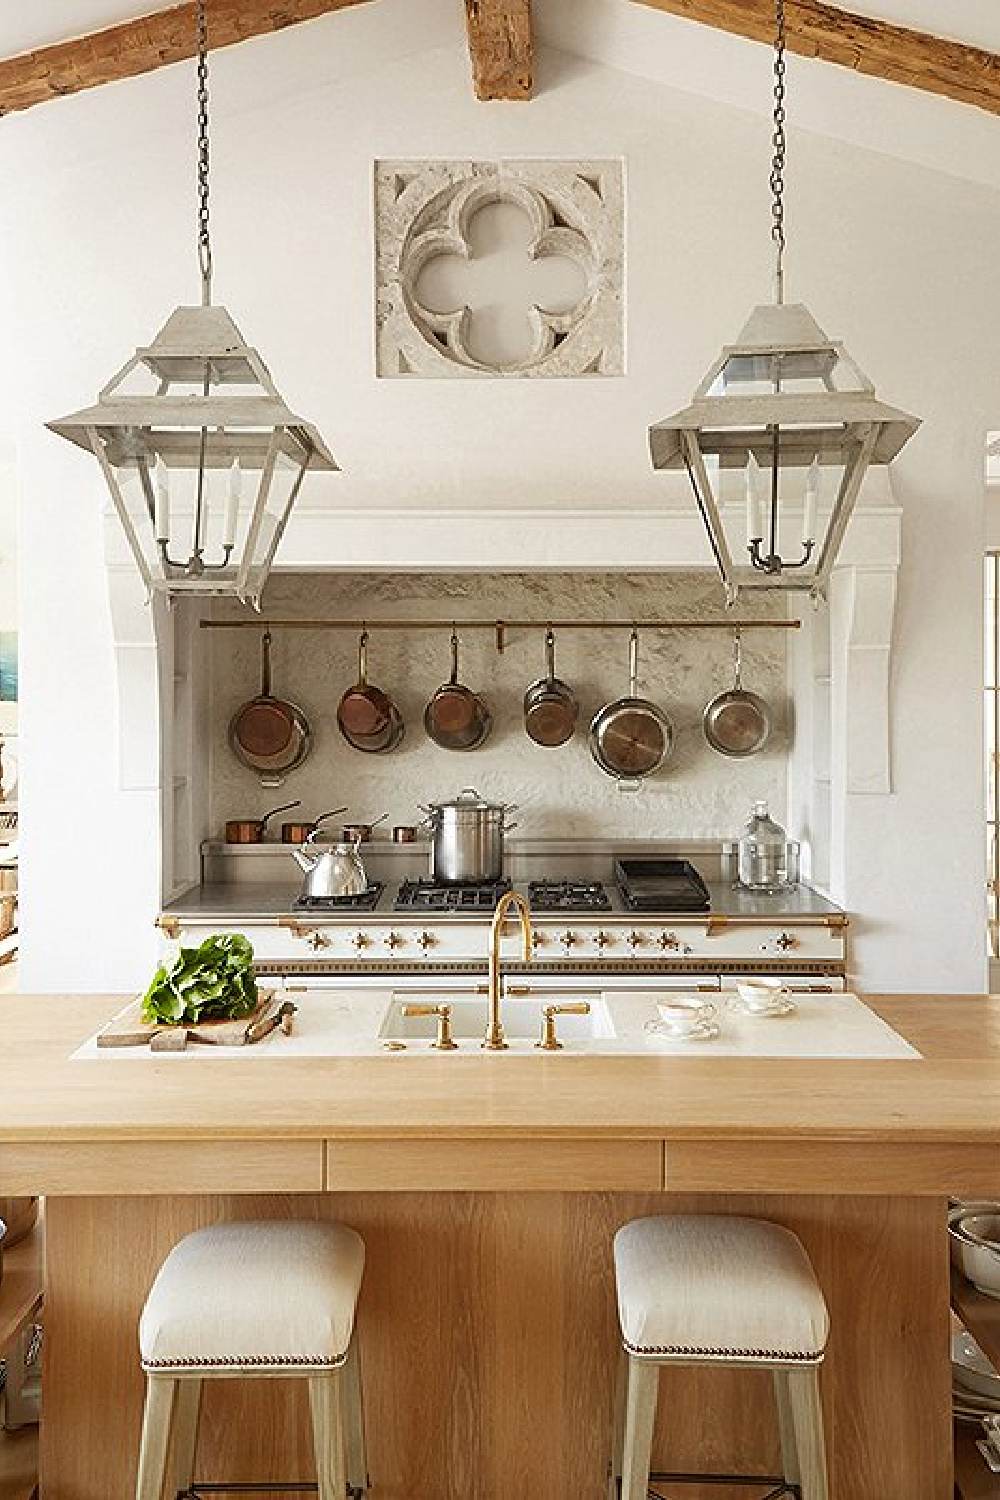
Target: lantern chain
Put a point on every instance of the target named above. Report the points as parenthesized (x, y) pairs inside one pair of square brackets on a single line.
[(778, 159), (204, 236)]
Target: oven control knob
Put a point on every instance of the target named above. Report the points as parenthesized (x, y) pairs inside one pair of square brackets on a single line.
[(668, 940), (538, 939), (318, 940), (393, 940), (360, 940), (426, 940), (569, 940), (786, 941), (636, 940), (603, 940)]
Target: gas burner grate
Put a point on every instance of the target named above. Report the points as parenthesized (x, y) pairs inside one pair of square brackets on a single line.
[(568, 895), (363, 901), (429, 895)]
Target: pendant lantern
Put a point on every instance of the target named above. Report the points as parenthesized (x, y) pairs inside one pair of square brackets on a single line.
[(783, 428), (203, 458)]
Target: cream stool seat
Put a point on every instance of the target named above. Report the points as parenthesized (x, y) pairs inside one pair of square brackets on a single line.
[(718, 1289), (259, 1299)]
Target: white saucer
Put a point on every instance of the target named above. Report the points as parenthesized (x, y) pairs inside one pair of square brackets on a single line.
[(786, 1007), (705, 1032)]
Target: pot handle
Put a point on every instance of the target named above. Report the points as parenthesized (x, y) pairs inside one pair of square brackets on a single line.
[(633, 662), (310, 836), (263, 822), (470, 794), (738, 660), (550, 657)]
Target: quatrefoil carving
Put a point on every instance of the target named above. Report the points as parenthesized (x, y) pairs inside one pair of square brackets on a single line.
[(555, 306)]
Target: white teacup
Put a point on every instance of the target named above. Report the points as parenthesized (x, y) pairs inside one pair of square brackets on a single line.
[(685, 1014), (762, 997)]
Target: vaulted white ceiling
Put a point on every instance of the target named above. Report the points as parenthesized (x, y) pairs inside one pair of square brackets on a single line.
[(25, 26), (902, 122)]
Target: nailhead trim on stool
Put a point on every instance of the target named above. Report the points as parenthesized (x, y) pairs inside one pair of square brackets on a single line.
[(718, 1289)]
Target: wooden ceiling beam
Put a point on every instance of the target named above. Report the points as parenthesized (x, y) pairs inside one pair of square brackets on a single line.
[(500, 45), (915, 58), (141, 45)]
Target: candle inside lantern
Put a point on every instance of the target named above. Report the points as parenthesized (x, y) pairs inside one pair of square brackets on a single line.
[(809, 504), (232, 503), (755, 519), (161, 515)]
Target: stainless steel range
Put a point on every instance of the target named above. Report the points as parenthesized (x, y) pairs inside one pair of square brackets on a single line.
[(610, 913)]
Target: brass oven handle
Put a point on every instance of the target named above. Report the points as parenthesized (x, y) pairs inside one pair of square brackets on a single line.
[(549, 1042), (444, 1041)]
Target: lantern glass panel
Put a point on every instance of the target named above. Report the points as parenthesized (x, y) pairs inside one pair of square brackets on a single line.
[(792, 371)]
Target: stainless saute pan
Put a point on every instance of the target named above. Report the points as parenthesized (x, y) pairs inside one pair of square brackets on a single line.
[(631, 738), (737, 723)]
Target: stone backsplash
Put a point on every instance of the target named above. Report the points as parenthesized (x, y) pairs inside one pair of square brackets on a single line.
[(559, 792)]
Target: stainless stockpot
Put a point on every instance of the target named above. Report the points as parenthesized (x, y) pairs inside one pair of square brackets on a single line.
[(467, 838)]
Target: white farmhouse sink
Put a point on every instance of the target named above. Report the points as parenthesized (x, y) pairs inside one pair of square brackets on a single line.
[(522, 1018)]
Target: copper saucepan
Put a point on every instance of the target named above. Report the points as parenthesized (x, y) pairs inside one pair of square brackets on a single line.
[(298, 833), (550, 707), (252, 830), (366, 716), (456, 718), (268, 734)]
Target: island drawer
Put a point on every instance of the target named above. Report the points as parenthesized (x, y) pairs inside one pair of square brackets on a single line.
[(95, 1168), (487, 1165)]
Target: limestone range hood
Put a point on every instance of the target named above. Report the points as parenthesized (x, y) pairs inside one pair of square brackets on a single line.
[(838, 667)]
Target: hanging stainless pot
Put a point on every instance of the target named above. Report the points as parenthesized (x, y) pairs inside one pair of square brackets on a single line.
[(268, 734), (456, 718), (467, 838), (737, 723), (631, 738), (550, 707)]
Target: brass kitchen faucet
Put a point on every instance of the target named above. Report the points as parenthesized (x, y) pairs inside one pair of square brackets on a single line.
[(494, 1040)]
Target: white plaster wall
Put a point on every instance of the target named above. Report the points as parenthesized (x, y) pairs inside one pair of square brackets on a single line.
[(560, 792), (95, 249)]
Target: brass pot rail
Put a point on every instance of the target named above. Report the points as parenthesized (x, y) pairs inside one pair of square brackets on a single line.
[(499, 627)]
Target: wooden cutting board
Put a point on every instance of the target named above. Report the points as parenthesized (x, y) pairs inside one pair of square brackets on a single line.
[(127, 1029)]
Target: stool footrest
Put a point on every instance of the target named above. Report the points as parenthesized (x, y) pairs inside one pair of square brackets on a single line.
[(199, 1491), (779, 1485)]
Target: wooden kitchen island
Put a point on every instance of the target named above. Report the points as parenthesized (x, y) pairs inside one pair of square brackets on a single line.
[(487, 1189)]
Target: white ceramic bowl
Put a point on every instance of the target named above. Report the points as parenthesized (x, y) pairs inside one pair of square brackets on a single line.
[(975, 1248)]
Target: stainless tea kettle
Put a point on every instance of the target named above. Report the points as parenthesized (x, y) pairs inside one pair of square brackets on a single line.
[(335, 872)]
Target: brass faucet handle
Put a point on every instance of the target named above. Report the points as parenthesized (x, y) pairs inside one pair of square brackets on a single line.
[(444, 1041), (549, 1042)]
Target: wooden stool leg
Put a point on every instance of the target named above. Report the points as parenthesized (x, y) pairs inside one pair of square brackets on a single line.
[(640, 1413), (618, 1425), (354, 1418), (326, 1402), (807, 1416), (786, 1427), (187, 1414), (157, 1423)]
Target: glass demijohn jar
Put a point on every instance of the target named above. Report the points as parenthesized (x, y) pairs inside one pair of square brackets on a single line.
[(766, 860)]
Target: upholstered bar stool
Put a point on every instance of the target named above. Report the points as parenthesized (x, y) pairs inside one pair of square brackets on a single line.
[(701, 1289), (255, 1300)]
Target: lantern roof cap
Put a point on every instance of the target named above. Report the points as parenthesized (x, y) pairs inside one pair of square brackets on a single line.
[(735, 420), (195, 343)]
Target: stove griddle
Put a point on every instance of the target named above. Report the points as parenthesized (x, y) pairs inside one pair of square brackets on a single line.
[(667, 885)]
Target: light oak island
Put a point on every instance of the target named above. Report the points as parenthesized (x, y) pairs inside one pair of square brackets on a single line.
[(487, 1189)]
